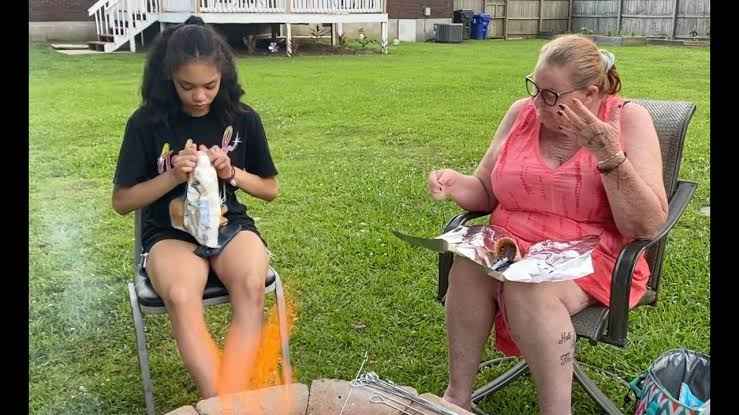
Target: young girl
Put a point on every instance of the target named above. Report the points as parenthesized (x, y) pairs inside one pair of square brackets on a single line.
[(190, 90)]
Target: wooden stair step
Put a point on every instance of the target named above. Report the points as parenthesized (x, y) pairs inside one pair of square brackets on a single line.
[(97, 45), (68, 46)]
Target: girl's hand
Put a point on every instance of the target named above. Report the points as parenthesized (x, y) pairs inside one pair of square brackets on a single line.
[(184, 162), (441, 183), (600, 137), (220, 160)]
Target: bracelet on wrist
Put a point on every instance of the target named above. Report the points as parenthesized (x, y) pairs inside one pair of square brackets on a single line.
[(612, 163), (232, 179)]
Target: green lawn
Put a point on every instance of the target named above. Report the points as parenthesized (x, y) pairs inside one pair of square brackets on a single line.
[(353, 138)]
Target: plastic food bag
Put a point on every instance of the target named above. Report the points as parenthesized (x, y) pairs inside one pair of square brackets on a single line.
[(199, 213)]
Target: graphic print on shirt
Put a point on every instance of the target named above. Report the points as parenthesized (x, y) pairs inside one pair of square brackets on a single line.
[(164, 162), (227, 140)]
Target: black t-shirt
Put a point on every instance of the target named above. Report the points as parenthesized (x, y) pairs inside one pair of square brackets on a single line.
[(147, 151)]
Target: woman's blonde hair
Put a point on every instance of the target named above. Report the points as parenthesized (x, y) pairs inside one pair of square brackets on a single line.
[(591, 66)]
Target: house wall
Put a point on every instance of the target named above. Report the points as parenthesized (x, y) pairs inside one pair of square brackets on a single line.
[(64, 20), (67, 20), (414, 9), (409, 22), (59, 10)]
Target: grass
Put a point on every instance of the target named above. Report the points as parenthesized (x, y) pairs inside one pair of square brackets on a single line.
[(353, 138)]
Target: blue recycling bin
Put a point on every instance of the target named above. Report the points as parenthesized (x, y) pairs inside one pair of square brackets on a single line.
[(480, 23)]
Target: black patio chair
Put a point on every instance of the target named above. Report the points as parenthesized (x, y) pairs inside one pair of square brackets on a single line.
[(144, 300)]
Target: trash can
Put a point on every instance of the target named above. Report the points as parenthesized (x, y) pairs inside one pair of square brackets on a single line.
[(480, 23), (464, 17)]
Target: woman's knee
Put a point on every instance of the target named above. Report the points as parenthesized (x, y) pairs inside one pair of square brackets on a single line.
[(468, 273), (531, 299)]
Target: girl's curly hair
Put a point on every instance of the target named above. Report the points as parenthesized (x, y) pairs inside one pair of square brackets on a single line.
[(178, 45)]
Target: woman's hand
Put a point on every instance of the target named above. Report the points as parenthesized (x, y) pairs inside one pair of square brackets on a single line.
[(600, 137), (441, 183), (220, 160), (184, 162)]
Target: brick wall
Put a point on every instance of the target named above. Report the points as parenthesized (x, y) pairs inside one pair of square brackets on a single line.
[(59, 10), (413, 9)]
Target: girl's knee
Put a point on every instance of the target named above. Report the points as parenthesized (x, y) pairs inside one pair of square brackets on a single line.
[(180, 296), (248, 284)]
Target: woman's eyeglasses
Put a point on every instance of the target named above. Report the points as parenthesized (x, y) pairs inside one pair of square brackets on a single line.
[(550, 97)]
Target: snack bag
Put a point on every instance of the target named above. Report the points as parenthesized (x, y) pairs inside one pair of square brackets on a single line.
[(199, 213)]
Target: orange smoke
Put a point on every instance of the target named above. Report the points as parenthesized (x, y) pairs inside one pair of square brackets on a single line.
[(269, 362), (269, 369)]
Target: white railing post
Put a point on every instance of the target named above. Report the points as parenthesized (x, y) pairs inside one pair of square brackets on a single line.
[(97, 24), (119, 20), (106, 22), (130, 15), (111, 20), (129, 26)]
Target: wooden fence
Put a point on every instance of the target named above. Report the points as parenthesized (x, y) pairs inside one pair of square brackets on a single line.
[(674, 19)]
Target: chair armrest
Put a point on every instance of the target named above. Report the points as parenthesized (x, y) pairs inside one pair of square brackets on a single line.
[(463, 218), (618, 311), (445, 259)]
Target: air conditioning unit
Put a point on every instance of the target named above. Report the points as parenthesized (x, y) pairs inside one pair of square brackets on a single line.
[(448, 32)]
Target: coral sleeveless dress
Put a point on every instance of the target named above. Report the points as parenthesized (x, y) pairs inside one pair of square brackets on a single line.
[(536, 202)]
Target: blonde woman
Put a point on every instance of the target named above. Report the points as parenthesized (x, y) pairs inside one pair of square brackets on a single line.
[(570, 160)]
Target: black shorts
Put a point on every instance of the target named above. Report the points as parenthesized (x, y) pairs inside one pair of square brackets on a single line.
[(225, 235)]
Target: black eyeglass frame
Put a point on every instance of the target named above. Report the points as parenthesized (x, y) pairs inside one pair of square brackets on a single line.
[(556, 94)]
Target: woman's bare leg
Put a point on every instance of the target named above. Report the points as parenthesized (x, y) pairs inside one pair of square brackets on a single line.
[(470, 312), (540, 323)]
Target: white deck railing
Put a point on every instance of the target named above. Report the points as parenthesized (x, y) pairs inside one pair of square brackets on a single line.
[(118, 21), (243, 6), (296, 6), (338, 6), (123, 18)]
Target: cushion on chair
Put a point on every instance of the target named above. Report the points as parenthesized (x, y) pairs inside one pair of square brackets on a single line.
[(213, 289)]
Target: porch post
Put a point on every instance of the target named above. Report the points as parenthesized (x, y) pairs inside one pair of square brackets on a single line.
[(130, 29), (383, 29), (288, 40)]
